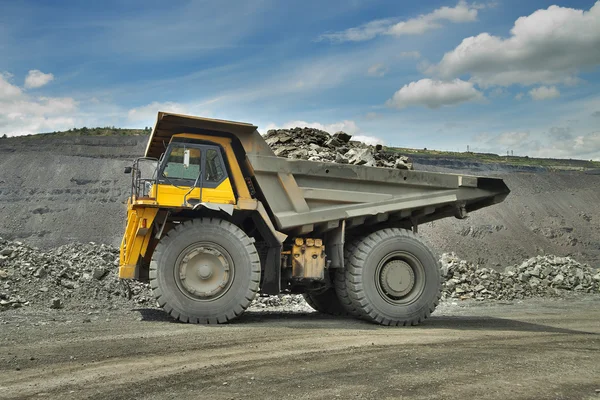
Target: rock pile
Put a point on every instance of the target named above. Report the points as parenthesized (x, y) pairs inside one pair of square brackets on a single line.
[(77, 276), (316, 145), (538, 276), (84, 276), (285, 302)]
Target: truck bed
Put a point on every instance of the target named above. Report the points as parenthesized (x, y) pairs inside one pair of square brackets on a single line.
[(308, 195)]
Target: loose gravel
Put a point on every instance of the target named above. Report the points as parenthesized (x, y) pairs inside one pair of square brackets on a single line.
[(84, 277)]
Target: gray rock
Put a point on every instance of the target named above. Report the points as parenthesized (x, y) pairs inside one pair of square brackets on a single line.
[(56, 303), (403, 163), (359, 156), (342, 136), (99, 273), (315, 145), (68, 284), (40, 273), (558, 280), (559, 275)]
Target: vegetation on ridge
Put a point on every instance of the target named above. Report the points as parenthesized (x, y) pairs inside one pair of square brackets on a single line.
[(469, 156)]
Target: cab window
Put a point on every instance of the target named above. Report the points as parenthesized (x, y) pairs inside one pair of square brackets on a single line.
[(175, 168), (214, 167)]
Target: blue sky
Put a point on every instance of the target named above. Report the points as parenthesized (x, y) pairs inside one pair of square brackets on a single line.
[(493, 75)]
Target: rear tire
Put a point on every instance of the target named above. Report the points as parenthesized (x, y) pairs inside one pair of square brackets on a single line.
[(205, 271), (340, 279), (325, 302), (392, 278)]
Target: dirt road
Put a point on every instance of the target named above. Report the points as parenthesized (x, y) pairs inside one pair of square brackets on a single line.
[(531, 350)]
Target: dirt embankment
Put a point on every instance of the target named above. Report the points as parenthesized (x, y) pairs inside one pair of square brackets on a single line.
[(58, 190)]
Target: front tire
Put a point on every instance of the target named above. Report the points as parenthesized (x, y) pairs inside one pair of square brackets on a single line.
[(392, 278), (205, 271)]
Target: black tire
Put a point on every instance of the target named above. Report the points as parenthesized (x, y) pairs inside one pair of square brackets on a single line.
[(325, 302), (392, 278), (340, 279), (242, 266)]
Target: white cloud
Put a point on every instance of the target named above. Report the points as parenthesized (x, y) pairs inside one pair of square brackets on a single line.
[(510, 139), (370, 140), (434, 94), (21, 114), (544, 93), (36, 78), (558, 142), (378, 70), (519, 96), (586, 146), (410, 54), (8, 90), (498, 92), (361, 33), (149, 111), (549, 46), (462, 12)]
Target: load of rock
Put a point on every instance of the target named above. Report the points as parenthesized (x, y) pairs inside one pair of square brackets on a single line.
[(317, 145), (539, 276)]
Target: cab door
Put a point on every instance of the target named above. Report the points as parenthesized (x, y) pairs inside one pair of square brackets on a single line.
[(216, 187)]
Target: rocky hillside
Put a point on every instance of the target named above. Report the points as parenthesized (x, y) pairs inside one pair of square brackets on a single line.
[(57, 190)]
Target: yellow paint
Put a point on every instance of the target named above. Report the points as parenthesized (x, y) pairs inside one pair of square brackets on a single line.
[(171, 196), (308, 260), (163, 196), (136, 239)]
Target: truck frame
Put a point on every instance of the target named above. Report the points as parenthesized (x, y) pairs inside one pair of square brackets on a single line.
[(215, 218)]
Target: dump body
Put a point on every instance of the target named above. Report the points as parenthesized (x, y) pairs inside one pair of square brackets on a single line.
[(307, 195), (304, 196)]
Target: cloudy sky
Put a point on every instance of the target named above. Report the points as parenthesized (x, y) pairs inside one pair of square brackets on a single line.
[(494, 75)]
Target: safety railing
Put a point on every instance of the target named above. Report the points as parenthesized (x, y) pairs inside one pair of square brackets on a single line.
[(141, 183)]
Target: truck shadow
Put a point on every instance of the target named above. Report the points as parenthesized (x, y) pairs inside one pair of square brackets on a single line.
[(314, 320)]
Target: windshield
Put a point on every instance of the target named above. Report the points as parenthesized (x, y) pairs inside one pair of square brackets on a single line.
[(175, 169)]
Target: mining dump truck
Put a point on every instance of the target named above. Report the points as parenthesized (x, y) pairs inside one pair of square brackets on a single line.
[(215, 219)]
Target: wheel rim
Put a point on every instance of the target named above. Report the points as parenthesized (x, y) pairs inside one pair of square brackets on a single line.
[(204, 271), (400, 278)]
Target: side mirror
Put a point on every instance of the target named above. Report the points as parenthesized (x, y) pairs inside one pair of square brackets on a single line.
[(127, 170), (186, 158)]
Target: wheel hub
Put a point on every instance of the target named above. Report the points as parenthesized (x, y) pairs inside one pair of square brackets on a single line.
[(204, 272), (397, 278)]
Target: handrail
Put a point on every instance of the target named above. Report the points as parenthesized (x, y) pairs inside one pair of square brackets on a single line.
[(137, 182)]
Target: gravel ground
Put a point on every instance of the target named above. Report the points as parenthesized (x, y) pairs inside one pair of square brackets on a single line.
[(529, 349)]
